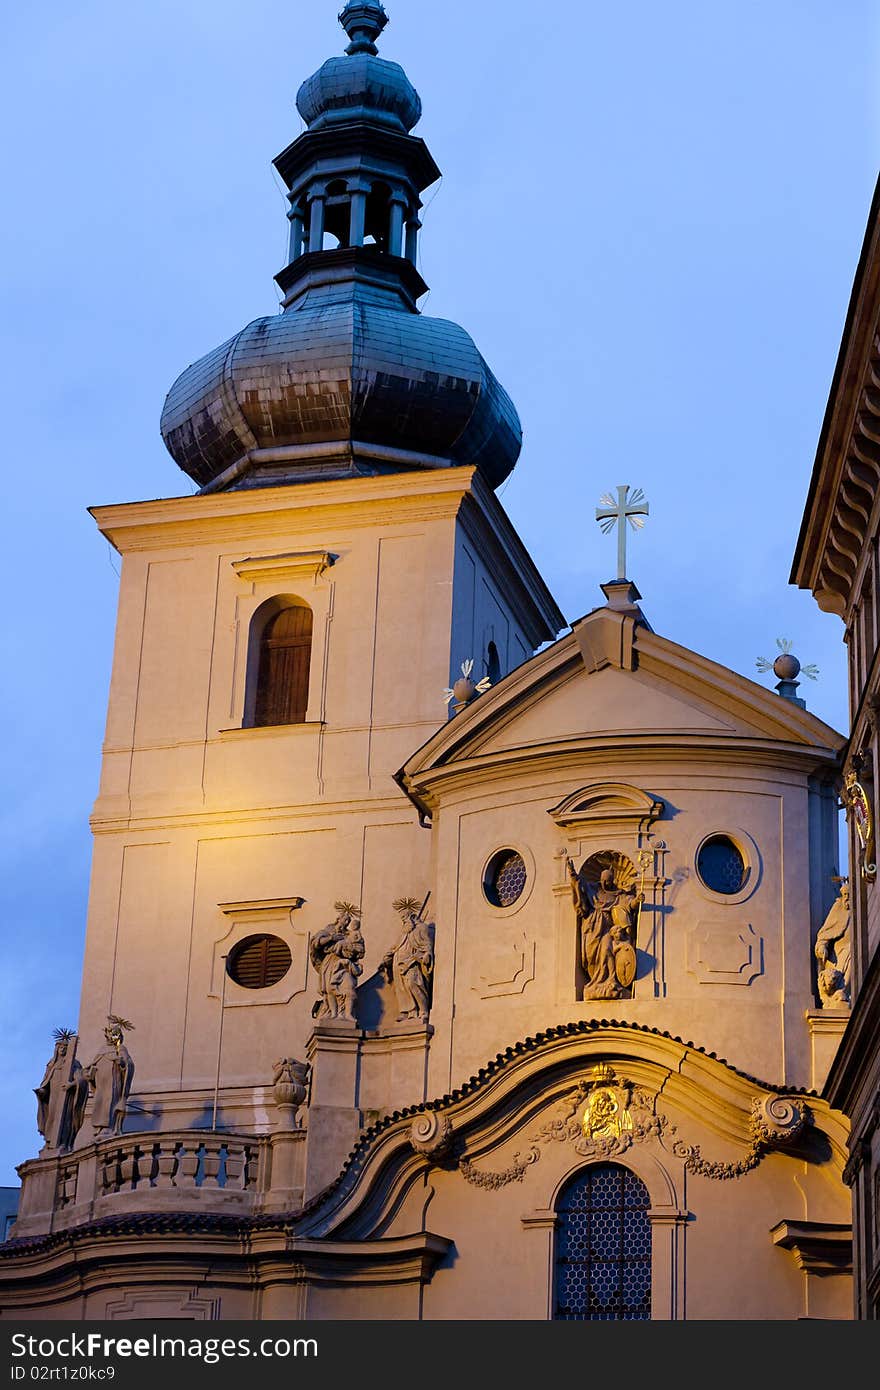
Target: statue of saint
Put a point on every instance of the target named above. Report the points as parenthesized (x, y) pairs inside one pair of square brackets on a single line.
[(833, 952), (410, 964), (607, 918), (110, 1076), (61, 1094), (336, 953)]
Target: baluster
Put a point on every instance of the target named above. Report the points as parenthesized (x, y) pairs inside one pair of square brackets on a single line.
[(211, 1167), (128, 1168), (235, 1167), (188, 1166), (110, 1173), (146, 1163), (166, 1162)]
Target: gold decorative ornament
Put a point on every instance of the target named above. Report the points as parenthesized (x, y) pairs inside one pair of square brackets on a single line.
[(618, 1113), (856, 799), (605, 1117)]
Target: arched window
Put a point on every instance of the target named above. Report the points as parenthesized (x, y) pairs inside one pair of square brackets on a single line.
[(493, 663), (337, 215), (281, 684), (378, 213), (603, 1247)]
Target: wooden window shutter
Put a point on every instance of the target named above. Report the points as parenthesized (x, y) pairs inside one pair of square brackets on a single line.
[(259, 962), (283, 679)]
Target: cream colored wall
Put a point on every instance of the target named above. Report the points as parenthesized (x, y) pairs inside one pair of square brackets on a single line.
[(712, 1256), (195, 812), (731, 974)]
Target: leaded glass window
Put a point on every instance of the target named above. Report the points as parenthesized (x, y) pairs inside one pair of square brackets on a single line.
[(603, 1247)]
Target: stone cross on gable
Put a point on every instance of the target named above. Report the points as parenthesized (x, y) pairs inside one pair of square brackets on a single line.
[(611, 513)]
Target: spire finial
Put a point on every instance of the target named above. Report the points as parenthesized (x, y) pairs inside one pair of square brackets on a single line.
[(787, 668), (629, 507), (363, 21)]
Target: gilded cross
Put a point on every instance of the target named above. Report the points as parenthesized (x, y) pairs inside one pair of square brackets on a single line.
[(609, 514)]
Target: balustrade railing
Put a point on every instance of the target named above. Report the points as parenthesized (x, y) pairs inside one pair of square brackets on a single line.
[(190, 1161)]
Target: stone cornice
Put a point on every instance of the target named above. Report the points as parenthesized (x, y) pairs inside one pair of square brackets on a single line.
[(818, 1247), (622, 750), (283, 509), (87, 1257), (777, 732), (301, 564), (840, 511), (319, 815)]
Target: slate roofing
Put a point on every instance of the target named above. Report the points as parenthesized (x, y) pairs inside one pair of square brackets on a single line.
[(350, 360)]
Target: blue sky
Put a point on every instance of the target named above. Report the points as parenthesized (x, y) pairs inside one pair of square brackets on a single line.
[(649, 220)]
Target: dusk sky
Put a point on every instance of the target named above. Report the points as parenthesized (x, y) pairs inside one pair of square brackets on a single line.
[(649, 221)]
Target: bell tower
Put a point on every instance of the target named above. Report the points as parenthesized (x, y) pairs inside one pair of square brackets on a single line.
[(286, 634)]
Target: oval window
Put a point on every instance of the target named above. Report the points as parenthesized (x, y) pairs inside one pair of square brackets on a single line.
[(721, 865), (505, 878), (258, 962)]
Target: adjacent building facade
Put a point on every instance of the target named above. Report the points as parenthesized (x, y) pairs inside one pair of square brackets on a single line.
[(514, 1006), (837, 559)]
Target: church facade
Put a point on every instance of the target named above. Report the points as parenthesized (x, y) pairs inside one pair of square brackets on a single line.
[(519, 1006)]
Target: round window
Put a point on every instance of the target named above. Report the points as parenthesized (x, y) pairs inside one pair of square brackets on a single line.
[(505, 878), (721, 865), (258, 961)]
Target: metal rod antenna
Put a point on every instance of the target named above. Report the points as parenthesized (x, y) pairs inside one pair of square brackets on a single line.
[(219, 1046)]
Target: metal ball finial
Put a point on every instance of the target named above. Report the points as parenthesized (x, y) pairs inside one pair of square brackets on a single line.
[(363, 21), (787, 668)]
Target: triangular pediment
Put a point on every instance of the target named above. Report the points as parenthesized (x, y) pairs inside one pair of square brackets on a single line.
[(613, 679), (608, 702)]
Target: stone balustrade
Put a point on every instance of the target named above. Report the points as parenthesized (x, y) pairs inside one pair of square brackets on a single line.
[(182, 1170), (187, 1162)]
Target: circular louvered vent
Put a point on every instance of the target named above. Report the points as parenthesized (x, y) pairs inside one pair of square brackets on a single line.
[(259, 961)]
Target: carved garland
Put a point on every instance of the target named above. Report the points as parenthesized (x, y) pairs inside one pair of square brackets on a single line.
[(616, 1114)]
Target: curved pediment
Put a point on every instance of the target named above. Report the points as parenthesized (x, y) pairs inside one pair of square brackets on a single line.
[(679, 1110), (615, 805)]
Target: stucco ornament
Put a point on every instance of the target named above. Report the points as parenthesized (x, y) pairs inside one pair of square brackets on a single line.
[(431, 1135), (833, 952), (61, 1094), (605, 1114), (109, 1076), (601, 1117), (775, 1121), (290, 1084), (858, 803), (336, 952), (410, 964), (607, 914)]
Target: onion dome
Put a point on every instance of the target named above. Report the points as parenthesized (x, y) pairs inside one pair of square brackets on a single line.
[(349, 378), (360, 86)]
